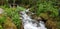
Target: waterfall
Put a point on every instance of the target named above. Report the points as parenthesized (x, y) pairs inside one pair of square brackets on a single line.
[(29, 23)]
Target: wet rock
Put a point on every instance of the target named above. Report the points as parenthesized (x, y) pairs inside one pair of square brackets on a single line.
[(36, 17), (8, 24), (30, 13)]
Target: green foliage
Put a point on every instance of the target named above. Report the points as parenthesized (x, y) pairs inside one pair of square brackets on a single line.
[(16, 16), (13, 13), (28, 1), (4, 6), (8, 11), (20, 8), (16, 19), (1, 27), (42, 6), (2, 19), (47, 6)]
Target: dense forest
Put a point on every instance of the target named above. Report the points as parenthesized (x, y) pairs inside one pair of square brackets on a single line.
[(49, 10)]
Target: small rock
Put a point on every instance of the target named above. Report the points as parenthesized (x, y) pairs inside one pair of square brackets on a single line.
[(1, 10)]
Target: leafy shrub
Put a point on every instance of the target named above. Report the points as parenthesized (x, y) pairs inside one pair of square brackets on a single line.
[(13, 13), (2, 19), (16, 16), (47, 6), (16, 20)]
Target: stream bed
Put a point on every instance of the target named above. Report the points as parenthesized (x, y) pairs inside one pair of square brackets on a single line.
[(29, 23)]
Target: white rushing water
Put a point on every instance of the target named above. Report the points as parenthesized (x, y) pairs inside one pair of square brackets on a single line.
[(29, 23)]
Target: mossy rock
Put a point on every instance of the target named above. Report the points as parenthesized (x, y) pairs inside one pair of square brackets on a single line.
[(51, 24), (44, 15), (8, 24)]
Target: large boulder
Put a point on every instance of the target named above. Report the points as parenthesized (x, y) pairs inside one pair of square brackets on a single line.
[(8, 24)]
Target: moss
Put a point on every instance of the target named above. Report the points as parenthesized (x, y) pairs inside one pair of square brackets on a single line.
[(8, 24)]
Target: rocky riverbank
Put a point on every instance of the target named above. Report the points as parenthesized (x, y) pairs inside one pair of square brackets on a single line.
[(50, 24)]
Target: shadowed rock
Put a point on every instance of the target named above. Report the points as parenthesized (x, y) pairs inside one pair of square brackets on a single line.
[(50, 24), (36, 17)]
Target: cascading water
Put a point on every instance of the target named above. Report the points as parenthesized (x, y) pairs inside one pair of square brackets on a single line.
[(29, 23)]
